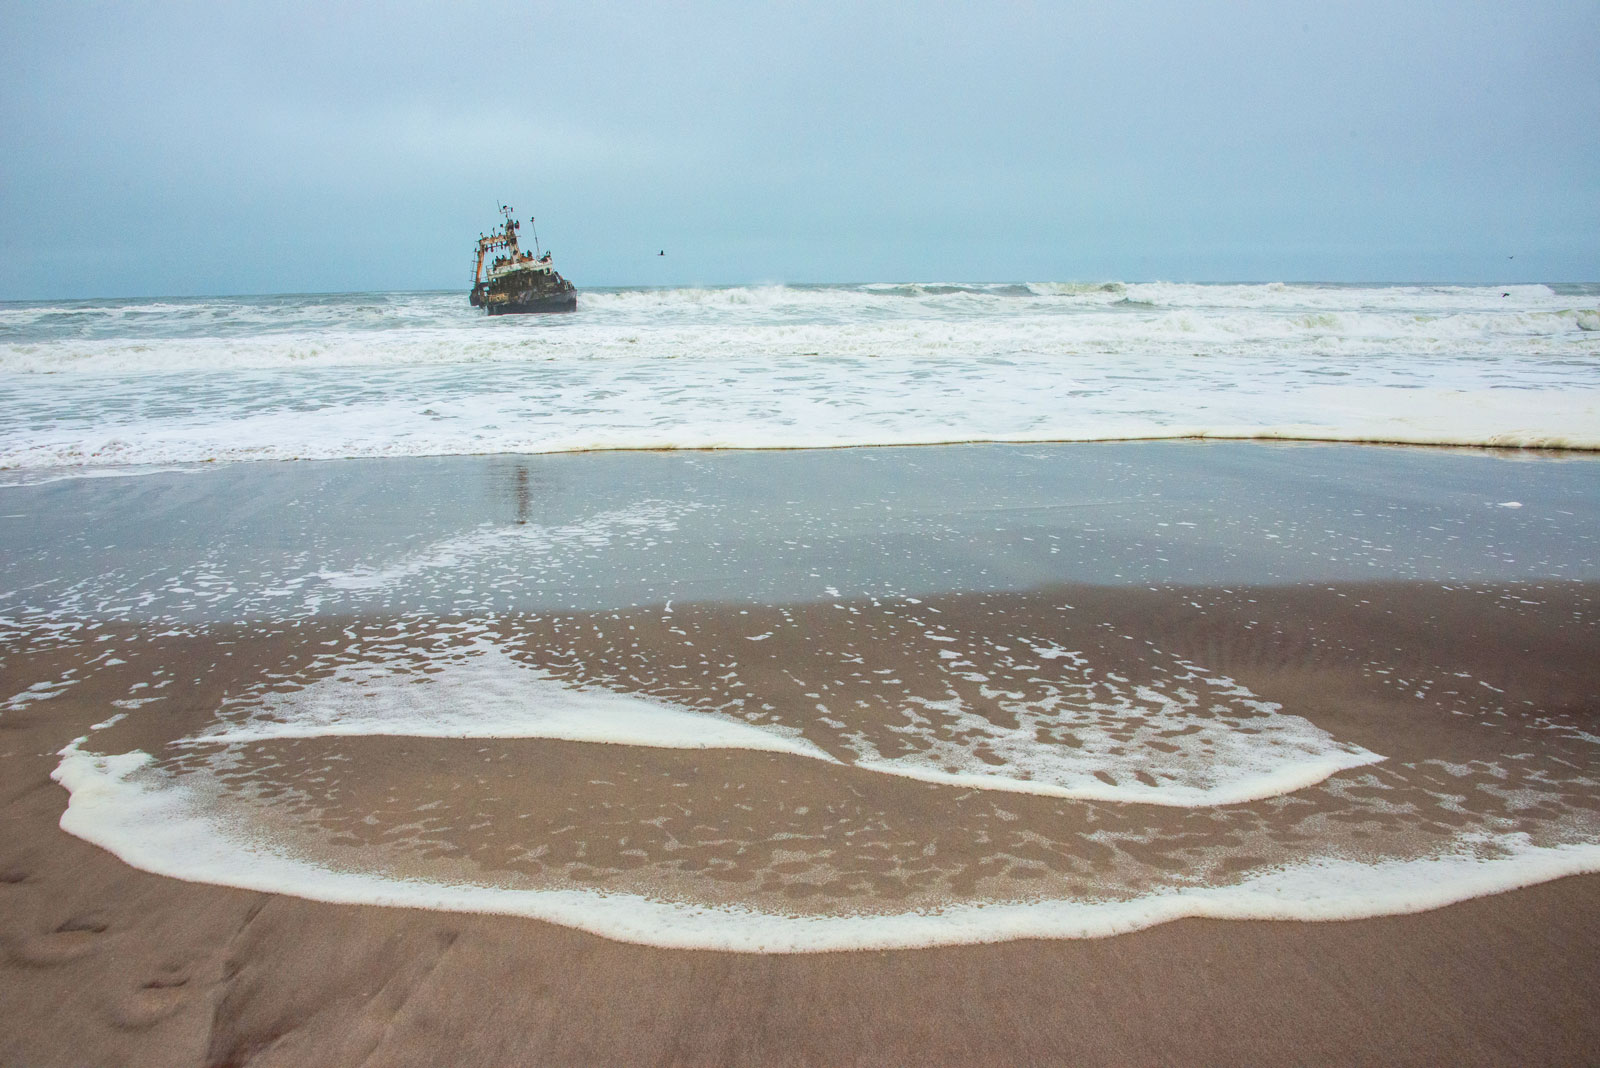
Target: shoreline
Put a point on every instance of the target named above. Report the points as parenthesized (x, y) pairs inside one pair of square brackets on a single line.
[(56, 473), (142, 970), (1148, 624), (1359, 724), (113, 965)]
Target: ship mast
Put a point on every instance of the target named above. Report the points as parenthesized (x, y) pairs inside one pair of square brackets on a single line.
[(505, 238)]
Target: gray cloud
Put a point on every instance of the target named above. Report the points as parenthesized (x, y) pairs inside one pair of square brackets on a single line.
[(209, 148)]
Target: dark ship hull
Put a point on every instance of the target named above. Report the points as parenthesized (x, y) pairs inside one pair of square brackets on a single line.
[(522, 292)]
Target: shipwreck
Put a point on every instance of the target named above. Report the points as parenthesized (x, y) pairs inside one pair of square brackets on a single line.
[(509, 281)]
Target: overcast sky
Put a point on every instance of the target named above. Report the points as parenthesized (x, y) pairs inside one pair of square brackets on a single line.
[(245, 148)]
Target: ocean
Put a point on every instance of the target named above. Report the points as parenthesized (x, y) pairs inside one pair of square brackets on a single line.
[(805, 618), (182, 381)]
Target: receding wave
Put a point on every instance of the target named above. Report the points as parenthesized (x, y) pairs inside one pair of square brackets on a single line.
[(1195, 797), (118, 805), (796, 402)]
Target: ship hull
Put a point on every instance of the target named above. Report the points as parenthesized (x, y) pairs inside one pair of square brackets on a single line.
[(525, 292), (533, 304)]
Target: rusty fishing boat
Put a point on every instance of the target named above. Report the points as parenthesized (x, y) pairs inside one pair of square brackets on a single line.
[(509, 281)]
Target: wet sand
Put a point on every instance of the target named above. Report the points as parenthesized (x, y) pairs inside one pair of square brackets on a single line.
[(1481, 697), (109, 965)]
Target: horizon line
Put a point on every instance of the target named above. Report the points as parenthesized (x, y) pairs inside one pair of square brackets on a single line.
[(770, 284)]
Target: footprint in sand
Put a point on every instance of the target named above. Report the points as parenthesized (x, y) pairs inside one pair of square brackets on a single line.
[(73, 939), (160, 997)]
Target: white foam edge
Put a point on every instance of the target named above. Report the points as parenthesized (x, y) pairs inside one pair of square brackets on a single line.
[(1563, 434), (1237, 792), (492, 695), (120, 804), (499, 698), (26, 477)]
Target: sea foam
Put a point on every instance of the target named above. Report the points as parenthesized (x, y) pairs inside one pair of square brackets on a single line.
[(123, 805), (1185, 739), (486, 694), (791, 367)]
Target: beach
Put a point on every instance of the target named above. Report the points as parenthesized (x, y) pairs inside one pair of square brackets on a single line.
[(1098, 753), (948, 673), (190, 974), (722, 534)]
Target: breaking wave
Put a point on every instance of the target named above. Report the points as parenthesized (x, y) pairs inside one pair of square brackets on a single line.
[(183, 381)]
